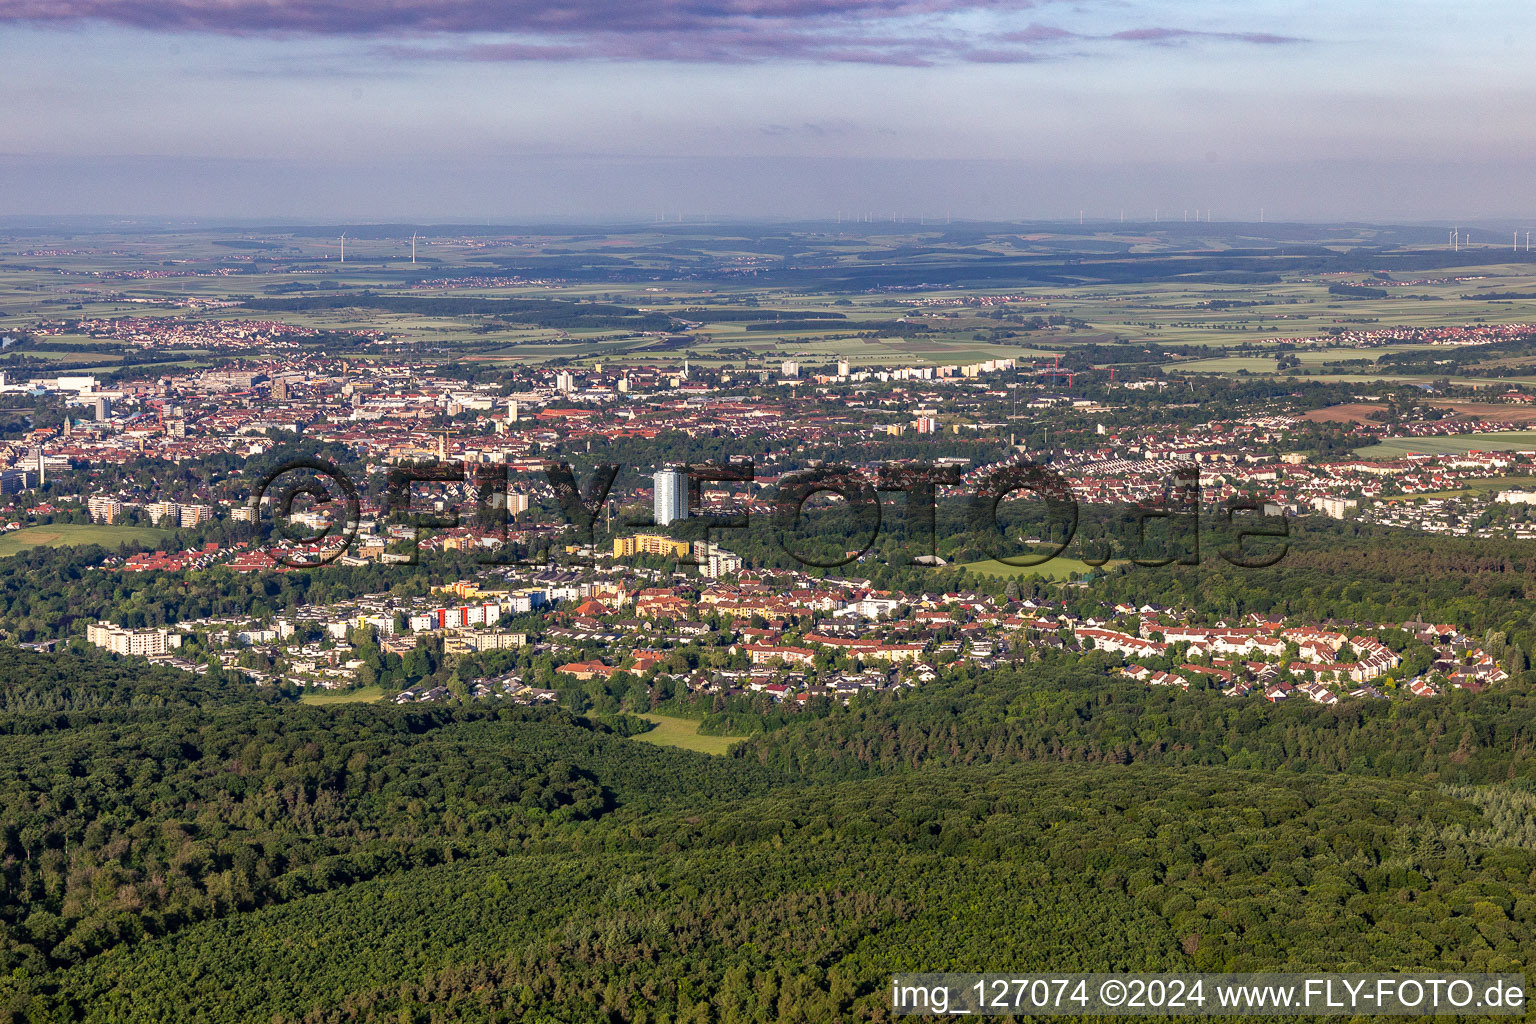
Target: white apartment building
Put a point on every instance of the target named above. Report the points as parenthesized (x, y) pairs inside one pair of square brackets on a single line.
[(715, 563), (145, 643), (104, 510), (671, 495), (191, 515)]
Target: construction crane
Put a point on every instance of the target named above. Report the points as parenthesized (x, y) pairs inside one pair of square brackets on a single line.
[(443, 434), (1056, 373), (158, 405)]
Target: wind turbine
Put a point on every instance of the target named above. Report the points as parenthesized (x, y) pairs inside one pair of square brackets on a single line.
[(343, 247), (413, 248)]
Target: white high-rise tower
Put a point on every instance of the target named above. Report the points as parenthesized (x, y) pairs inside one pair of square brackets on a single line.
[(671, 497)]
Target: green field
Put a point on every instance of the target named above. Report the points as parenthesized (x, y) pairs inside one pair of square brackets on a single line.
[(1226, 364), (1055, 569), (684, 733), (363, 695), (1309, 358), (67, 534), (1502, 441), (1486, 485)]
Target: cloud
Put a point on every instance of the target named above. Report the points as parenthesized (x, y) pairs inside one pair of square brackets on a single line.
[(833, 128), (1173, 36), (563, 17), (1036, 33), (910, 33)]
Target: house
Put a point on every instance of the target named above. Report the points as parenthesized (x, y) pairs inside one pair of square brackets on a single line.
[(644, 661), (1119, 643), (586, 670), (763, 654), (893, 652)]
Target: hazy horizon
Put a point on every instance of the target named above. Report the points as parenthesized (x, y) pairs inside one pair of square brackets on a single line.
[(640, 190)]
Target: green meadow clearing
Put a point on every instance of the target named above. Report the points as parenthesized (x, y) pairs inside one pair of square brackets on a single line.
[(684, 733), (73, 534), (323, 698), (1055, 569)]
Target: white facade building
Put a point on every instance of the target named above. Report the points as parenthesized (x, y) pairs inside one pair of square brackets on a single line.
[(144, 643), (671, 498)]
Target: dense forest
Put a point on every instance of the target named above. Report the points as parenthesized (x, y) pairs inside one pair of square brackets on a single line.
[(190, 847), (178, 848)]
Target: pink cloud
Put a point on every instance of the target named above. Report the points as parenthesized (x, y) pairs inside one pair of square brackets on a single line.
[(899, 32)]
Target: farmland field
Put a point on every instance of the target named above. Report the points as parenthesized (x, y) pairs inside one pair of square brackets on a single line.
[(1486, 485), (1353, 412), (1489, 411), (1502, 441)]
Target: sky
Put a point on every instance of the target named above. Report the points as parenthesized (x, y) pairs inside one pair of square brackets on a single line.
[(438, 110)]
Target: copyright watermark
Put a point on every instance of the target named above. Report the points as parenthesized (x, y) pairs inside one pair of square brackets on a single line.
[(1208, 995), (329, 488), (332, 519)]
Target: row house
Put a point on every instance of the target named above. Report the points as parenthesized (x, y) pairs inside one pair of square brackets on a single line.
[(1120, 643), (763, 654)]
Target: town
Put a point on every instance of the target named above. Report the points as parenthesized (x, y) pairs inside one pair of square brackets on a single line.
[(647, 616), (725, 513)]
